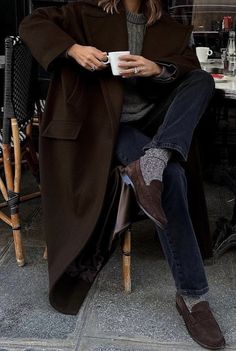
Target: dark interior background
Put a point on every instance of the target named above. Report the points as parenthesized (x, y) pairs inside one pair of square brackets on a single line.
[(11, 14)]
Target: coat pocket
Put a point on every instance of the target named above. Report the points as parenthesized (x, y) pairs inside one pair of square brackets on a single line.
[(65, 130)]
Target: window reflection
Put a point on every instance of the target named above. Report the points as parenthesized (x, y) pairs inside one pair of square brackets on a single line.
[(205, 15), (212, 21)]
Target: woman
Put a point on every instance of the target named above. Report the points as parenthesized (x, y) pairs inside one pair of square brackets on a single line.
[(147, 114)]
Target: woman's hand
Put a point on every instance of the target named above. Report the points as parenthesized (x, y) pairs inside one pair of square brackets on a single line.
[(138, 66), (88, 56)]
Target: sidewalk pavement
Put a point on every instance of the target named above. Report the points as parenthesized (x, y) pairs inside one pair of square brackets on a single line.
[(110, 319)]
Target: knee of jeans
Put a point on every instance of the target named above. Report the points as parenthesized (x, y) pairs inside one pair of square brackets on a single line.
[(205, 80), (174, 176)]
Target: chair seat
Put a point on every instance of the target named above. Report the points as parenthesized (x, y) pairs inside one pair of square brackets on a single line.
[(128, 209)]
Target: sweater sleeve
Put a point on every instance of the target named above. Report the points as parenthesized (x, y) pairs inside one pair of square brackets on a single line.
[(167, 73)]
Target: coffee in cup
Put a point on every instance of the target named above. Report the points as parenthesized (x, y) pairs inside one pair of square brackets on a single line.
[(113, 59), (203, 53)]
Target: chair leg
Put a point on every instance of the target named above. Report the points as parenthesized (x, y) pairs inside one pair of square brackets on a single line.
[(19, 252), (126, 256), (13, 203), (13, 189)]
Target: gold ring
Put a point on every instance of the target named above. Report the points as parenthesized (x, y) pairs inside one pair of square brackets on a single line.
[(93, 68)]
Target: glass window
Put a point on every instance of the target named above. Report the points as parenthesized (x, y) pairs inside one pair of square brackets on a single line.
[(205, 15), (212, 21)]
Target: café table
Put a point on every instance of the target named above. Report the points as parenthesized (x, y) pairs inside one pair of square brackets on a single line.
[(227, 84), (225, 170)]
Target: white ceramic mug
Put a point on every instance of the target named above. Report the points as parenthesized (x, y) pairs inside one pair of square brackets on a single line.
[(203, 53), (113, 59)]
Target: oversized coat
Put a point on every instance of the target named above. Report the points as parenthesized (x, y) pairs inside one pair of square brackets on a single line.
[(80, 125)]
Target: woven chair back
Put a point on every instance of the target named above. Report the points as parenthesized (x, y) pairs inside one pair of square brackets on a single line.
[(19, 85)]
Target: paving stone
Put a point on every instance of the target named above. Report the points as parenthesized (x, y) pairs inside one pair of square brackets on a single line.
[(99, 344), (110, 320), (221, 277), (149, 312), (37, 349), (25, 311)]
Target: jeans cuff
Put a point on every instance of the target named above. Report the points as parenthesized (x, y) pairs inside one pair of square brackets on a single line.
[(190, 292), (183, 154)]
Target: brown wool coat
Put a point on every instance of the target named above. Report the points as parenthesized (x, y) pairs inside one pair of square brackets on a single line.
[(80, 124)]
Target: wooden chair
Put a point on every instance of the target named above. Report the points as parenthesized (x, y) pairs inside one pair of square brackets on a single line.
[(126, 259), (19, 110), (128, 212), (123, 226)]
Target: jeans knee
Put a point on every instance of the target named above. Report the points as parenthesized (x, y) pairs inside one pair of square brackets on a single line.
[(203, 80)]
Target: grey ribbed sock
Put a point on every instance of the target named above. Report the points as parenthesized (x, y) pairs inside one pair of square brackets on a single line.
[(153, 163), (192, 300)]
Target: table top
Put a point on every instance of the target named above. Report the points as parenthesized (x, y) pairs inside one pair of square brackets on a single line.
[(227, 84)]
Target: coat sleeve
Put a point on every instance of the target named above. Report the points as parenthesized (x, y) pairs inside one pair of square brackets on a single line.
[(184, 59), (184, 62), (47, 33)]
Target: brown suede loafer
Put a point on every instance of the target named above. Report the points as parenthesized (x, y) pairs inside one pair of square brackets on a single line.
[(148, 196), (201, 324)]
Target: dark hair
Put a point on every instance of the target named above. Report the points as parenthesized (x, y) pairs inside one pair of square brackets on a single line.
[(152, 9)]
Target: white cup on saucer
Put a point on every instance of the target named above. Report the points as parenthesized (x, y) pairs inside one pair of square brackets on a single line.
[(203, 53)]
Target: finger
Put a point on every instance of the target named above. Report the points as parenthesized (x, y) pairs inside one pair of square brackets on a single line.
[(137, 70), (128, 73), (95, 64), (128, 65), (99, 64), (104, 57), (129, 58), (100, 55)]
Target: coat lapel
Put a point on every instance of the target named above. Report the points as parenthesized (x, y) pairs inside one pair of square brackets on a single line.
[(108, 33), (104, 31), (165, 38)]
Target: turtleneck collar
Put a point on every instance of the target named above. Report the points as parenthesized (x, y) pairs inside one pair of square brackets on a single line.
[(137, 18)]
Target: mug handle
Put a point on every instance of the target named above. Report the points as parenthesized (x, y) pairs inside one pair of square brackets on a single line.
[(210, 52), (107, 61)]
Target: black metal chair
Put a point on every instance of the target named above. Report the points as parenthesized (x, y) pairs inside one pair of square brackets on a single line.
[(16, 144)]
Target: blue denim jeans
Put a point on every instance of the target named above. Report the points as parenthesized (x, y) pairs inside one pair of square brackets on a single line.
[(173, 120), (182, 113)]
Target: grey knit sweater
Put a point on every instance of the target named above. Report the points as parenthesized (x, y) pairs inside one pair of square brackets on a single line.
[(135, 106)]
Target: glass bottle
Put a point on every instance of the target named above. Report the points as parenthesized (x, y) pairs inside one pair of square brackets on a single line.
[(224, 60), (231, 52), (231, 43)]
